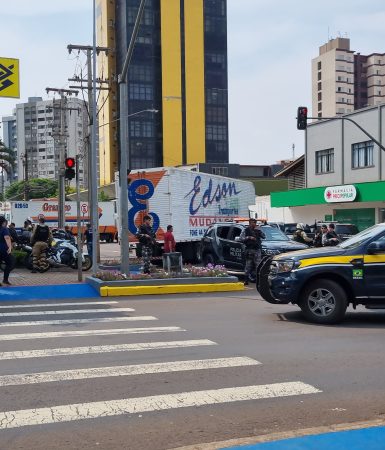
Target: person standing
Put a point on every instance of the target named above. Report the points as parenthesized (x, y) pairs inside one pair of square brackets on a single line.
[(146, 237), (251, 236), (87, 239), (300, 235), (331, 238), (13, 234), (41, 238), (169, 240), (5, 250)]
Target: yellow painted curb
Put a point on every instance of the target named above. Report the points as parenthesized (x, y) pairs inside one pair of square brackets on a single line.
[(110, 291)]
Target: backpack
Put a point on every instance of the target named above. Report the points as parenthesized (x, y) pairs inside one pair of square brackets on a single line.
[(41, 234)]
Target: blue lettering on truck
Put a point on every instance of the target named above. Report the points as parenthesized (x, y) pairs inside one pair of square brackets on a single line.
[(210, 195), (139, 203)]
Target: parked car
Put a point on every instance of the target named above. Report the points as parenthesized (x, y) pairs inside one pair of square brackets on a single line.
[(221, 245), (344, 230), (324, 281)]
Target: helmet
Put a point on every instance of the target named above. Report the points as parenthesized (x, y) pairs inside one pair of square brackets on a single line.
[(300, 226)]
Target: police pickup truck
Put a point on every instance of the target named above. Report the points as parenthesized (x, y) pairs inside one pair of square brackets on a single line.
[(324, 281)]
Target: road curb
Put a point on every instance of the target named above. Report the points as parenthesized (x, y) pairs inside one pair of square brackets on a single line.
[(275, 437)]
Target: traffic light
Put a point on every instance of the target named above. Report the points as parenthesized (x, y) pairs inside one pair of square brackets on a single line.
[(302, 118), (70, 168)]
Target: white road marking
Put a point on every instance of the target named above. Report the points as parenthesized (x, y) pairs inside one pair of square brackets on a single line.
[(44, 353), (97, 410), (76, 321), (82, 333), (51, 304), (65, 311), (119, 371)]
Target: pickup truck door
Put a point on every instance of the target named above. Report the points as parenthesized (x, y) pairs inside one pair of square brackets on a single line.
[(374, 274), (236, 248)]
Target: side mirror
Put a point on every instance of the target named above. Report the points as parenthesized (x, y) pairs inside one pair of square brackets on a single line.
[(376, 247)]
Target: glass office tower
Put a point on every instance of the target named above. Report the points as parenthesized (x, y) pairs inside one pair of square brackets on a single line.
[(179, 68)]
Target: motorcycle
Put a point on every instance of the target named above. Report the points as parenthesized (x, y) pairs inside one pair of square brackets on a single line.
[(61, 253)]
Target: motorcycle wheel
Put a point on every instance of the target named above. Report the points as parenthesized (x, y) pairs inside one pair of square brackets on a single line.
[(87, 264)]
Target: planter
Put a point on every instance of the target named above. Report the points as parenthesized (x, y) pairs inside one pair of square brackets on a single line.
[(165, 285)]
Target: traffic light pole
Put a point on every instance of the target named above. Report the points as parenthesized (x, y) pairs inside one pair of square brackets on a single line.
[(79, 227)]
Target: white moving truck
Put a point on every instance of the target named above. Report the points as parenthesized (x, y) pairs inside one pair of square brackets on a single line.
[(19, 211), (189, 201)]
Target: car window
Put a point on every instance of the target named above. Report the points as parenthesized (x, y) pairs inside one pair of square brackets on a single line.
[(274, 234), (346, 229), (222, 232), (210, 232), (359, 238), (235, 232)]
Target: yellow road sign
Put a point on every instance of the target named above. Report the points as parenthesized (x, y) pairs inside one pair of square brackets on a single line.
[(9, 78)]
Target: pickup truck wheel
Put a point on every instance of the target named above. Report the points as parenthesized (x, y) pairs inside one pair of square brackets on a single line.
[(323, 301), (207, 259)]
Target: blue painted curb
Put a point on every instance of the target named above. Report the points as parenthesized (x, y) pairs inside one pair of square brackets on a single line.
[(366, 438), (49, 292)]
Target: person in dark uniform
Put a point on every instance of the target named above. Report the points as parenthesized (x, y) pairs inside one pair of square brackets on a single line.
[(251, 236), (146, 237), (5, 250)]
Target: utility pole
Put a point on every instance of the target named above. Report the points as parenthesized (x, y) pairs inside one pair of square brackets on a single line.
[(79, 227), (125, 145), (60, 137), (91, 144)]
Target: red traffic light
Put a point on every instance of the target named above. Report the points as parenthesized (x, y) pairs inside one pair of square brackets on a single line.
[(70, 163)]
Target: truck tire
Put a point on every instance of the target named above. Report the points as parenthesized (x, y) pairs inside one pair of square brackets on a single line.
[(323, 301), (262, 282)]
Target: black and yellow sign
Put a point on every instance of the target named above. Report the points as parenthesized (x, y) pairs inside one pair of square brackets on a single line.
[(9, 78)]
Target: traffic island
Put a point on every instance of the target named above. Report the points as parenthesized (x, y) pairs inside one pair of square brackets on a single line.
[(191, 280), (164, 286)]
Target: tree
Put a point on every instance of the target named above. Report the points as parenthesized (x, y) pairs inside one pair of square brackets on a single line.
[(36, 188), (7, 164)]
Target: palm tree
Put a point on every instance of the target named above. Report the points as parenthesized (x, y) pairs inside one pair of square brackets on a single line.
[(7, 164)]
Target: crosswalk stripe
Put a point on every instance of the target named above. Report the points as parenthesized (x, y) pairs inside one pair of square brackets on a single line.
[(82, 333), (47, 304), (76, 321), (118, 371), (97, 410), (65, 311), (21, 354)]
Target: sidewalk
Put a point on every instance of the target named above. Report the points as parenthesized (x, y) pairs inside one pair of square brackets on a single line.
[(64, 275)]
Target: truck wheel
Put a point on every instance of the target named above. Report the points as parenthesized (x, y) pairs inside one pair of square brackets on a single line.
[(323, 301), (207, 259)]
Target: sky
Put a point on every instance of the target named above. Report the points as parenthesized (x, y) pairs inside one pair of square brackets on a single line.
[(270, 47)]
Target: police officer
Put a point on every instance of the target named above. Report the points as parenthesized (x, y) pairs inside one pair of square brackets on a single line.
[(300, 235), (251, 236), (146, 237), (41, 238)]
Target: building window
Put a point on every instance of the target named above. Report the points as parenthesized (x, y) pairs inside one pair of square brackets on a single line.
[(362, 154), (320, 86), (319, 96), (223, 171), (319, 65), (319, 76), (324, 161), (320, 106), (216, 132)]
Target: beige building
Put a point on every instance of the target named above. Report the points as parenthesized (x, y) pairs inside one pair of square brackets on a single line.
[(343, 81)]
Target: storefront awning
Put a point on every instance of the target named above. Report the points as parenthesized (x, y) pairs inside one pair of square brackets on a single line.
[(366, 192)]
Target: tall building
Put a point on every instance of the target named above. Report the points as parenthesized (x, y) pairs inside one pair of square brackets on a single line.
[(343, 80), (179, 68), (44, 129)]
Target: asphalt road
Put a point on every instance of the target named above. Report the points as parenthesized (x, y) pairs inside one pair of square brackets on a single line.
[(208, 368)]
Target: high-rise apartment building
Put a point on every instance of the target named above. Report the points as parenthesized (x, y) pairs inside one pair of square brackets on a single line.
[(45, 129), (343, 80), (179, 68)]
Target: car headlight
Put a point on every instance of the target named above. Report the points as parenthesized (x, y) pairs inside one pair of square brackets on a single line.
[(282, 266)]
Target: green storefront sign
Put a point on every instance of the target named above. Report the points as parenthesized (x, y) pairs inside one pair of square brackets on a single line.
[(366, 192)]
